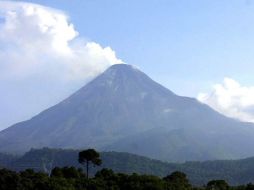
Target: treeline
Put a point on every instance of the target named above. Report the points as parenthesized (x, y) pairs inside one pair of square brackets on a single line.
[(70, 178), (235, 172)]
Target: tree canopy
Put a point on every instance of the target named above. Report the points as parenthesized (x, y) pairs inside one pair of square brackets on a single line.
[(89, 156), (70, 178)]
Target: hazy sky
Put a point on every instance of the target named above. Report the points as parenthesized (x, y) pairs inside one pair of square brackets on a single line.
[(197, 48)]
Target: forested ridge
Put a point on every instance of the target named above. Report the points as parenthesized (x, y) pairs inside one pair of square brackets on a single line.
[(235, 172)]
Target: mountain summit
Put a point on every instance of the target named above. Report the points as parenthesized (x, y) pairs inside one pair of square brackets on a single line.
[(124, 110)]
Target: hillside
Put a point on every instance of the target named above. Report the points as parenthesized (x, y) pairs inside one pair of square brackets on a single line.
[(233, 171)]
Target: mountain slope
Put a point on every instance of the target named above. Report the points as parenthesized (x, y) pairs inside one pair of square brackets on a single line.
[(124, 110)]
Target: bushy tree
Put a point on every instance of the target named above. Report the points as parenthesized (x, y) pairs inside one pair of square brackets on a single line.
[(9, 180), (177, 180), (217, 185), (31, 180), (250, 186), (67, 172)]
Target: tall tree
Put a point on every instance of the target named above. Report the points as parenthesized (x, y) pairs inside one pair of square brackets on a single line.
[(89, 156)]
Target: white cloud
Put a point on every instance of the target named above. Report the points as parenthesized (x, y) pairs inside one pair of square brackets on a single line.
[(232, 99), (36, 39), (42, 53)]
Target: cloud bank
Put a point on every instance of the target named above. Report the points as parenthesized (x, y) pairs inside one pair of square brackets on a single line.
[(42, 59), (40, 40), (231, 99)]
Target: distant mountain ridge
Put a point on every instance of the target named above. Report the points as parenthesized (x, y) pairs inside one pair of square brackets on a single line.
[(124, 110), (235, 172)]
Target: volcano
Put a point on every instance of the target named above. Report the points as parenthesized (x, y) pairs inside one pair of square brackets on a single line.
[(124, 110)]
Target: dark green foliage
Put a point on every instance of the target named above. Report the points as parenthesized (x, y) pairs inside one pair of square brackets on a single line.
[(67, 172), (217, 185), (250, 186), (70, 178), (235, 172), (114, 181), (8, 180), (33, 180), (87, 156), (177, 180)]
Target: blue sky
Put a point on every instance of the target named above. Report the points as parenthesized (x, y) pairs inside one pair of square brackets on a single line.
[(188, 46), (185, 45)]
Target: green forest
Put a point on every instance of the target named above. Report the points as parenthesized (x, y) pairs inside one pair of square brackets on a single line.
[(70, 178), (235, 172), (55, 169)]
